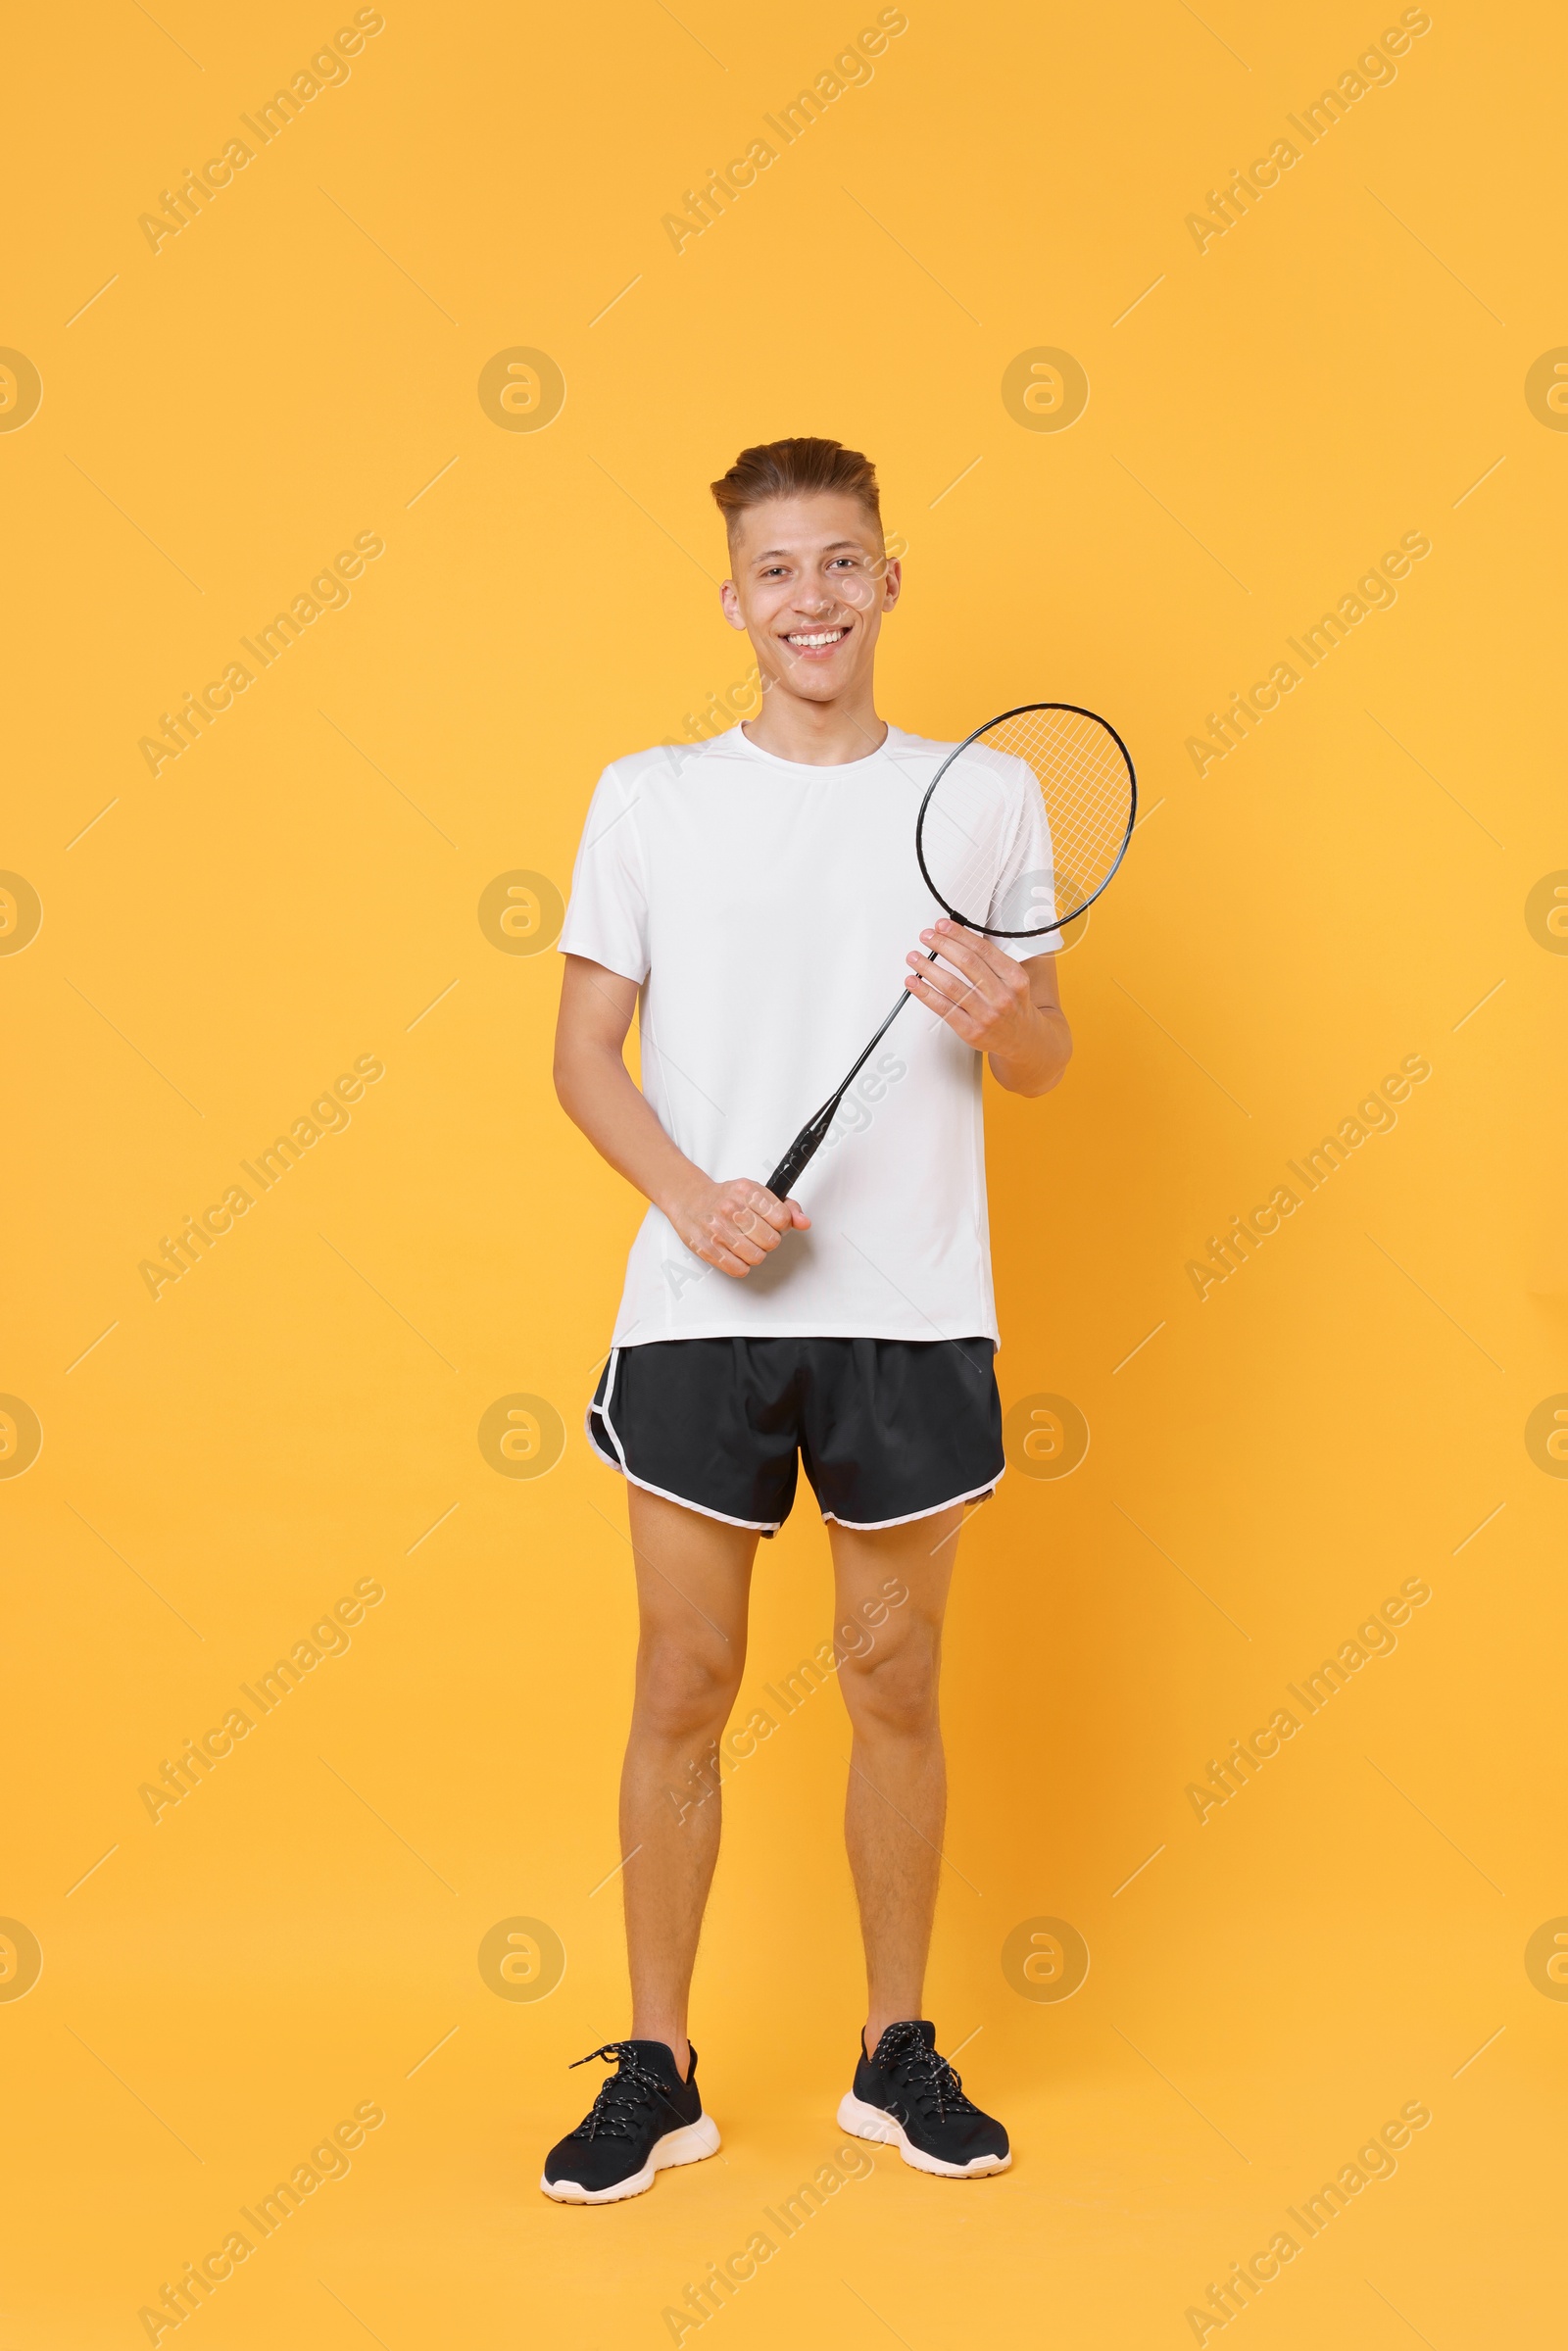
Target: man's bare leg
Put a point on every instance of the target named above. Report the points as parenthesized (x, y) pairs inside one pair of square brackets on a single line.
[(693, 1585), (896, 1800)]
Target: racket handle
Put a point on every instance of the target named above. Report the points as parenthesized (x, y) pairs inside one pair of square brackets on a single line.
[(802, 1151)]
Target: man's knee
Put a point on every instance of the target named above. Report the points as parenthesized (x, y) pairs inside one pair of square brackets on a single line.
[(893, 1689), (685, 1690)]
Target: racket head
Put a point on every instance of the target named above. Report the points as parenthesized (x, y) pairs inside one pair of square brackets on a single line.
[(1087, 790)]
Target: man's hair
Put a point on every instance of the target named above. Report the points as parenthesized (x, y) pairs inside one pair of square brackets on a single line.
[(793, 469)]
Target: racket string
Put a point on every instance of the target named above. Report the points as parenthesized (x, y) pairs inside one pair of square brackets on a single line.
[(1084, 786)]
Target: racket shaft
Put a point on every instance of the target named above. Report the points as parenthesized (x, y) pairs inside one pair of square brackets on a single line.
[(804, 1150)]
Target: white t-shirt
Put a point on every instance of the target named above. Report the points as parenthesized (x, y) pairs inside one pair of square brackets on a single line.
[(764, 909)]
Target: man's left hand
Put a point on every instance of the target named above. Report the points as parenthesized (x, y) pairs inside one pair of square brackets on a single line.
[(985, 996)]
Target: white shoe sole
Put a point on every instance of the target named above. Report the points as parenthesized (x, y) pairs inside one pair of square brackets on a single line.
[(869, 2122), (690, 2145)]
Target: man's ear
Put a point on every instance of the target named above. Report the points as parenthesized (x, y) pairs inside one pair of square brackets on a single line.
[(892, 584), (732, 604)]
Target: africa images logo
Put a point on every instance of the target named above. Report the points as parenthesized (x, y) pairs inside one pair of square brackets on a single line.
[(328, 70), (852, 68), (1373, 70)]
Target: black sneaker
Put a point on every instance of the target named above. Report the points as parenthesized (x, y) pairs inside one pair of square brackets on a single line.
[(908, 2097), (644, 2119)]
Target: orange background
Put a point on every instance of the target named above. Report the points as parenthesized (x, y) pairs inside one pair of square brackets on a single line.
[(1369, 877)]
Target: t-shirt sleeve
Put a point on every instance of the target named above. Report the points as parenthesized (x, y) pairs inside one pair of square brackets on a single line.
[(606, 917), (1025, 891)]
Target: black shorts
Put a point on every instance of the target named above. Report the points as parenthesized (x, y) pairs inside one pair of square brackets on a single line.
[(889, 1429)]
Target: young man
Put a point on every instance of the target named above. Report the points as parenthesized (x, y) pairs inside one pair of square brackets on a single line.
[(757, 897)]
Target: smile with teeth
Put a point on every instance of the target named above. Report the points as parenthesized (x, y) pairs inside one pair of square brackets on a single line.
[(815, 640)]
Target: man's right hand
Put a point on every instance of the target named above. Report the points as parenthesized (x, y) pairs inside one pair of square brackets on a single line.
[(734, 1224)]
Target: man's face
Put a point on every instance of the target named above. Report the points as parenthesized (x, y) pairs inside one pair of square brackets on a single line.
[(810, 584)]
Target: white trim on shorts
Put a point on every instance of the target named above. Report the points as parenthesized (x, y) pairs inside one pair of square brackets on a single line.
[(874, 1526), (756, 1526)]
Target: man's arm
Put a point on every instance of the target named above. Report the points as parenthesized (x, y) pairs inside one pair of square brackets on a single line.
[(1005, 1010), (732, 1225)]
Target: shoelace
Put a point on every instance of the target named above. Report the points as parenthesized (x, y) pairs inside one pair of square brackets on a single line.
[(623, 2096), (921, 2074)]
